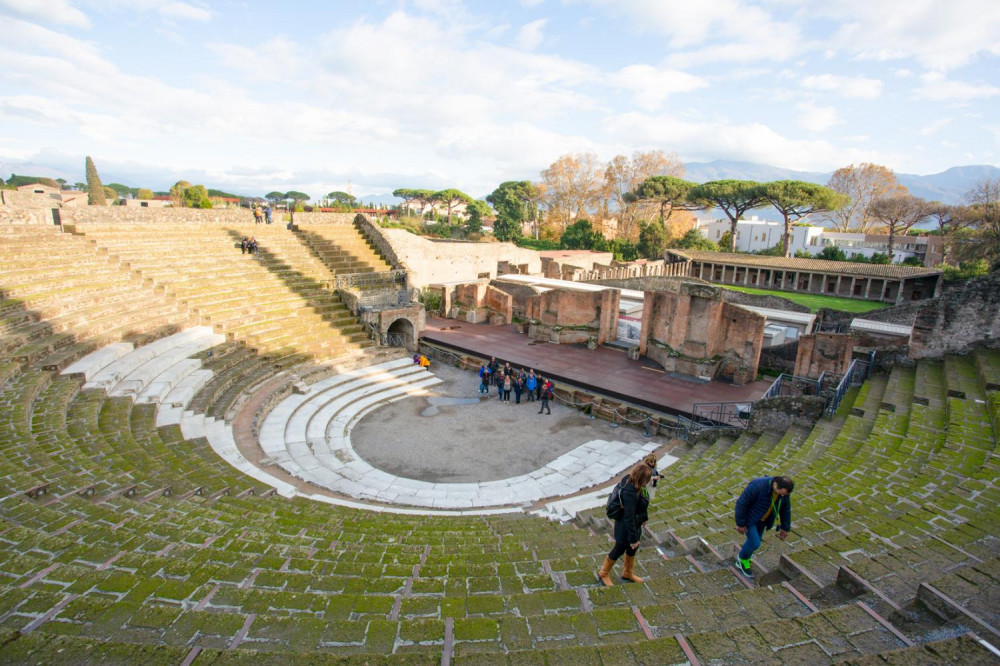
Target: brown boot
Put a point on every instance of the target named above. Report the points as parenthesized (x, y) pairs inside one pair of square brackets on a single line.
[(627, 570), (605, 573)]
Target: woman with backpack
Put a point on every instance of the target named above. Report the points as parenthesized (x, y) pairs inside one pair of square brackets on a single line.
[(628, 506)]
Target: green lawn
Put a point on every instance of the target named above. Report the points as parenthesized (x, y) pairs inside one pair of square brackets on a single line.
[(815, 301)]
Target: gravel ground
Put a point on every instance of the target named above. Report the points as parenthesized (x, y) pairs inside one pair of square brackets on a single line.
[(482, 440)]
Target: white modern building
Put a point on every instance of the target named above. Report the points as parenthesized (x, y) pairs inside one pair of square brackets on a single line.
[(754, 235)]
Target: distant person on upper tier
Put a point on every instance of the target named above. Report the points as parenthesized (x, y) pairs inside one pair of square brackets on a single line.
[(760, 502)]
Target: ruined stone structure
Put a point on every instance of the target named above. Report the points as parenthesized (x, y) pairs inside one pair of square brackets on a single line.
[(823, 352), (969, 315), (692, 331), (567, 317), (478, 302)]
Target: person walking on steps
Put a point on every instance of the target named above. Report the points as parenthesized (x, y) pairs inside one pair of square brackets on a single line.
[(628, 528), (760, 502)]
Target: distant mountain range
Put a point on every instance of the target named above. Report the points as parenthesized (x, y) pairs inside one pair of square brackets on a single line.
[(947, 187)]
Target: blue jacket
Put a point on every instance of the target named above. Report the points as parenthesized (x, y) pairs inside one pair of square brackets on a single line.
[(756, 500)]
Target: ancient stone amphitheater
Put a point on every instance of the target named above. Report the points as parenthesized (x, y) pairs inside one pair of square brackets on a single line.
[(127, 537)]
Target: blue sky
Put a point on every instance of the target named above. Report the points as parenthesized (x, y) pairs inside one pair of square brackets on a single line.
[(257, 96)]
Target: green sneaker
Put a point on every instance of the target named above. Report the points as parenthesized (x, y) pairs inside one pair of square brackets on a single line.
[(743, 566)]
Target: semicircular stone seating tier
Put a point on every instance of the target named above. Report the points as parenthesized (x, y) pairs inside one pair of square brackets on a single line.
[(308, 435)]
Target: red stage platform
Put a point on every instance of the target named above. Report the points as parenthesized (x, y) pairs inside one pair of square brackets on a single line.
[(605, 369)]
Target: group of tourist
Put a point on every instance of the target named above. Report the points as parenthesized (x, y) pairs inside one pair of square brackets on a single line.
[(519, 382), (248, 245), (262, 215)]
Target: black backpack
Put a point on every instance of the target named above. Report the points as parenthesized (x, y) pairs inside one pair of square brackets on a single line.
[(615, 507)]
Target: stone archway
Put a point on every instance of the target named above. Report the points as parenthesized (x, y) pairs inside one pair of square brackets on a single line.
[(401, 333)]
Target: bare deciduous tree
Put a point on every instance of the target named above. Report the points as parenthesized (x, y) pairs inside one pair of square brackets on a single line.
[(898, 213), (863, 184)]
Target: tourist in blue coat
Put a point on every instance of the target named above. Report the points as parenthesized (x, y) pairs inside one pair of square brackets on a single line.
[(760, 502)]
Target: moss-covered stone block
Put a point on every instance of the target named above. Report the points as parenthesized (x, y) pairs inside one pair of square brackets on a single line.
[(477, 629)]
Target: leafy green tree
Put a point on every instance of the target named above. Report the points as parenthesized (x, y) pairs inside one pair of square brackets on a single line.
[(668, 192), (726, 242), (879, 258), (624, 249), (275, 197), (342, 198), (733, 197), (144, 194), (196, 196), (912, 261), (177, 192), (581, 236), (513, 202), (478, 211), (80, 187), (297, 198), (832, 253), (110, 195), (652, 240), (796, 199), (16, 181), (803, 254), (695, 240), (121, 190), (451, 198), (95, 189)]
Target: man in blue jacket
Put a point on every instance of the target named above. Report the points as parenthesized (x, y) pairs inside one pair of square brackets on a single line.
[(760, 502)]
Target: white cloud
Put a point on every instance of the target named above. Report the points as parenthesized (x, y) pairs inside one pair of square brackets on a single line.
[(753, 142), (933, 127), (941, 35), (651, 86), (816, 118), (60, 12), (172, 9), (858, 86), (530, 35), (277, 59), (937, 88), (738, 31), (182, 10)]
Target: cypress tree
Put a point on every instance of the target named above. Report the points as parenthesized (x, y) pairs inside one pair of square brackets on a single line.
[(95, 189)]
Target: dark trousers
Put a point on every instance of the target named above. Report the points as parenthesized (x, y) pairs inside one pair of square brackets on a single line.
[(545, 406), (620, 549)]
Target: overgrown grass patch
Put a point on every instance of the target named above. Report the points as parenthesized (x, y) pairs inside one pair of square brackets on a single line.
[(815, 302)]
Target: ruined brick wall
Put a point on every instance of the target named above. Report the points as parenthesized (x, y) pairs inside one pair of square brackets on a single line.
[(744, 337), (959, 320), (566, 316), (693, 331), (780, 358), (823, 352), (499, 302), (520, 297)]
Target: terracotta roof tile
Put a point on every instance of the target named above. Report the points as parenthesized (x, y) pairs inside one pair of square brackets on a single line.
[(819, 265)]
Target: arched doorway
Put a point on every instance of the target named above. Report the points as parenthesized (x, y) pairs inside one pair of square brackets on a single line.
[(401, 333)]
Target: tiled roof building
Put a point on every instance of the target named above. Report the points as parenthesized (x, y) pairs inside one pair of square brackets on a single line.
[(889, 283)]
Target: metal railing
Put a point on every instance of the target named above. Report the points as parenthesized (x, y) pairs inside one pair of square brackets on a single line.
[(792, 385), (856, 374), (722, 414), (377, 280)]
